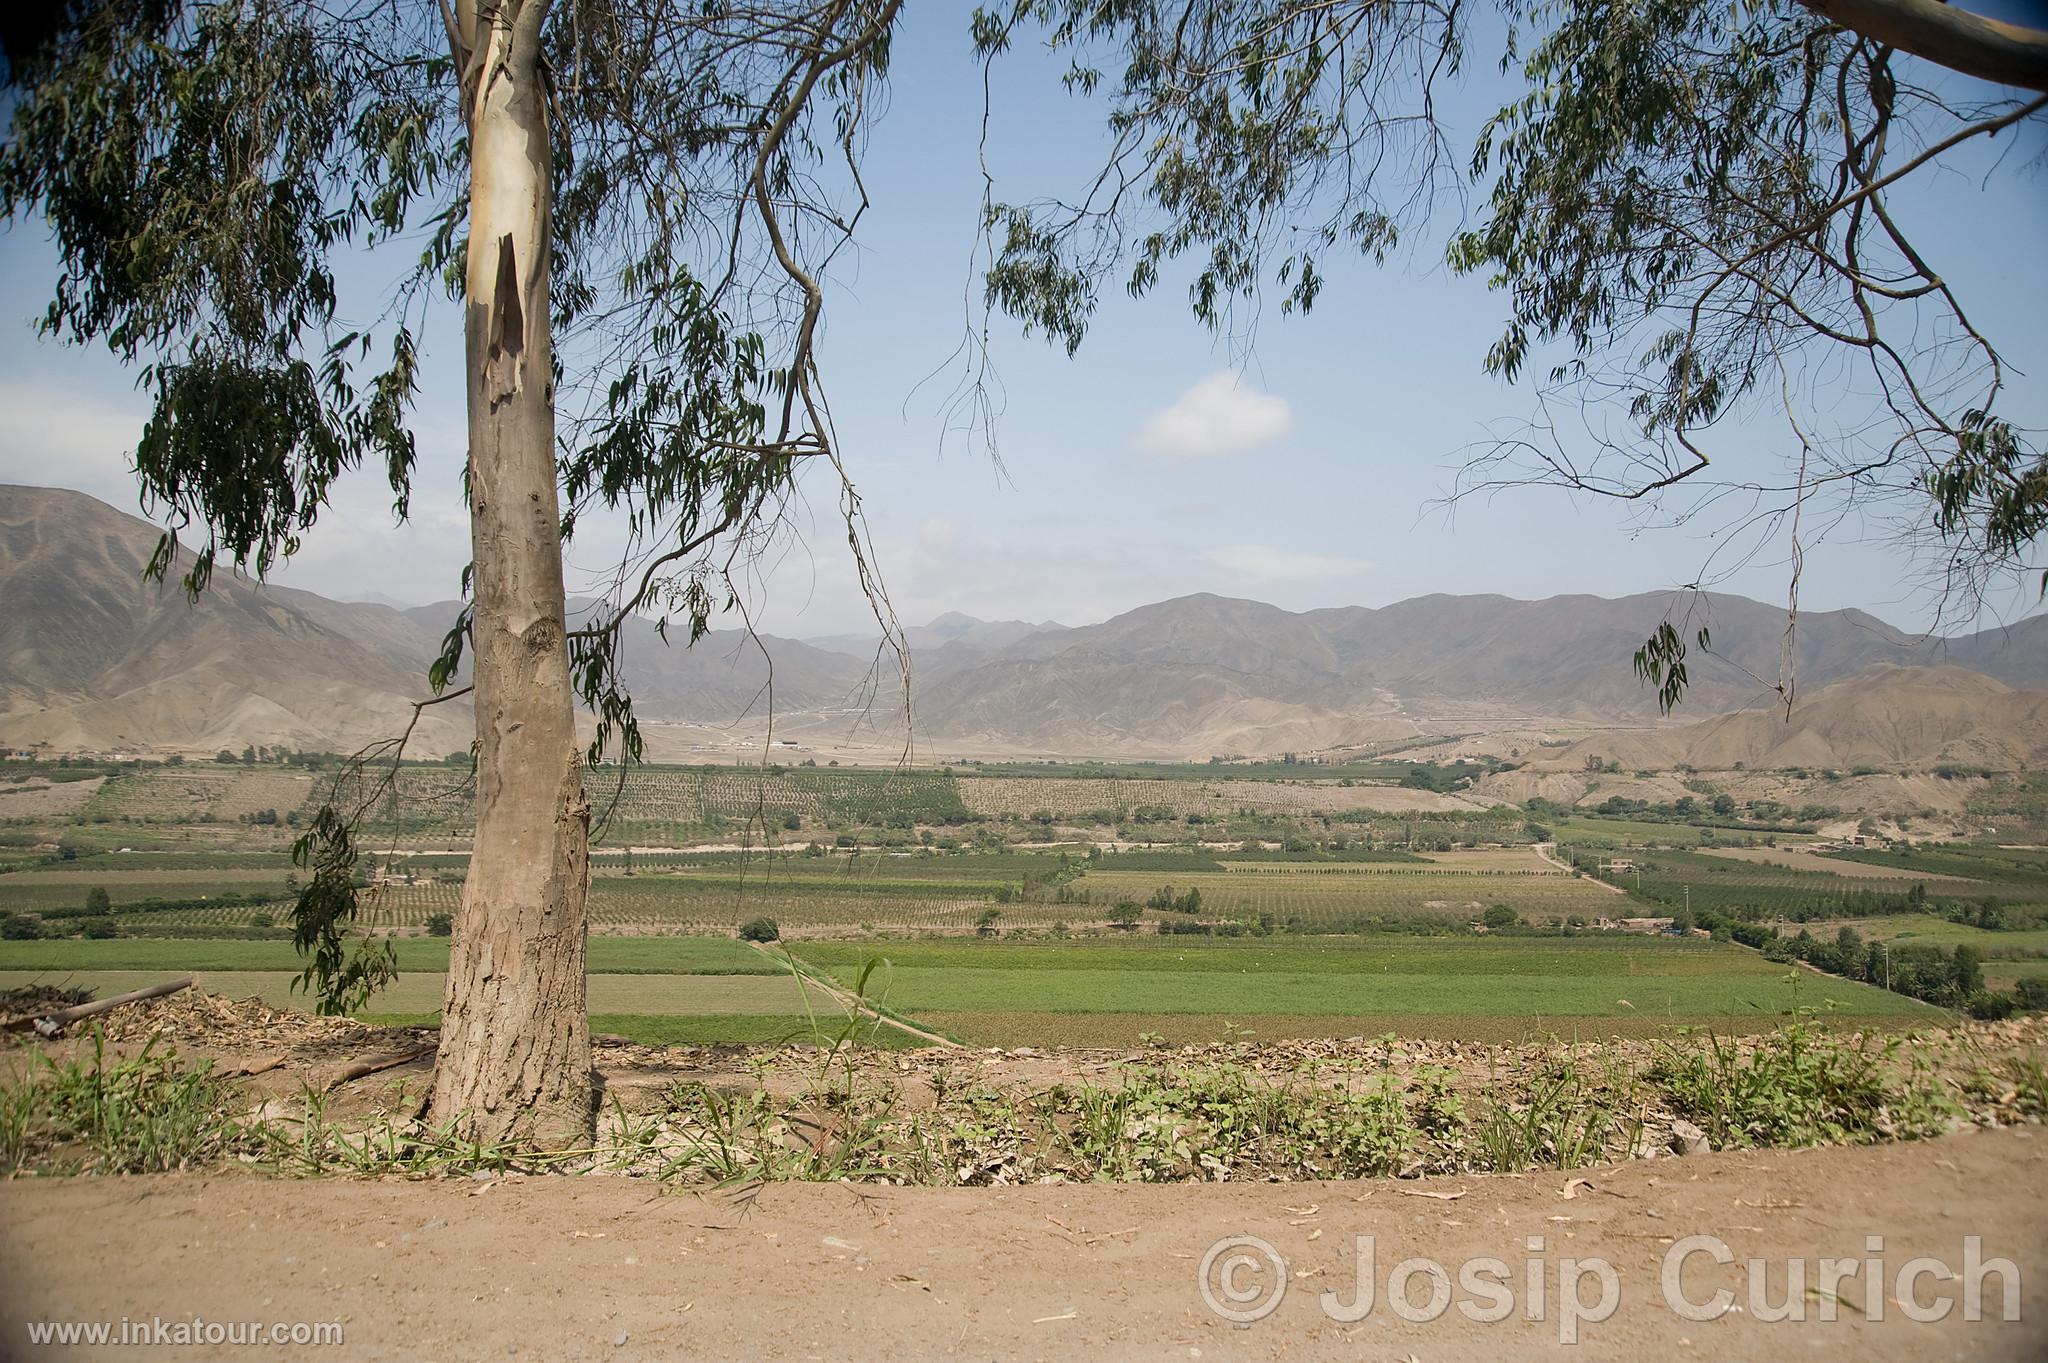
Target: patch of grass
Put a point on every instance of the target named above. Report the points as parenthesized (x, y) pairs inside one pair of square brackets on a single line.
[(1562, 1119), (150, 1114), (1801, 1087)]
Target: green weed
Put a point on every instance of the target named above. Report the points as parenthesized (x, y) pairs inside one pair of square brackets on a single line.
[(1801, 1086), (149, 1114)]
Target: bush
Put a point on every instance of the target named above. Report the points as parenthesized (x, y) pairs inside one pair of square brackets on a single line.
[(760, 930), (1988, 1005), (2033, 992), (440, 924), (1498, 916), (20, 927), (99, 928)]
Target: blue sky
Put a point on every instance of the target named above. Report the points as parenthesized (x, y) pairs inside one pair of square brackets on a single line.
[(1160, 461)]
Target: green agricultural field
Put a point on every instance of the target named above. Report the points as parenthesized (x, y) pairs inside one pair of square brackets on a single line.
[(202, 859), (607, 956), (2008, 974), (1108, 993), (1928, 929), (710, 1029), (655, 990), (1748, 889), (67, 886), (1603, 832), (712, 894), (2006, 867), (658, 991), (780, 995), (1316, 897), (682, 902)]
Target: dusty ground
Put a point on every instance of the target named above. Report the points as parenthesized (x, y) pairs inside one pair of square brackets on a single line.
[(564, 1268)]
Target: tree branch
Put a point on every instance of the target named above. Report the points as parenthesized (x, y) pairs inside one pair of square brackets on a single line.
[(2002, 53)]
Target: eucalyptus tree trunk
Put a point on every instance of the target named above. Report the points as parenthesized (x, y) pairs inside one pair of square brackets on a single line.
[(514, 1058)]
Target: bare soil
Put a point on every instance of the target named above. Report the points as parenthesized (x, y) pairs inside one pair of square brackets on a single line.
[(612, 1268)]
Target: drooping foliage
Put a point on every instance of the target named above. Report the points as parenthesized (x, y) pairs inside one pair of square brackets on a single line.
[(259, 203), (200, 168)]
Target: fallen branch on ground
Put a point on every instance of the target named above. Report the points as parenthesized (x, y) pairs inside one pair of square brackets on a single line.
[(49, 1024), (364, 1068)]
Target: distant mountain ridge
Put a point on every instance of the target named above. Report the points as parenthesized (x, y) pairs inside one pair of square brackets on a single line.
[(90, 656), (1222, 675)]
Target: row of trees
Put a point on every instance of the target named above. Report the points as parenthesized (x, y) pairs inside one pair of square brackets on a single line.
[(1948, 977)]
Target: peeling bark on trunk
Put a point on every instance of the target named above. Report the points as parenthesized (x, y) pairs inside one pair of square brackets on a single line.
[(514, 1062)]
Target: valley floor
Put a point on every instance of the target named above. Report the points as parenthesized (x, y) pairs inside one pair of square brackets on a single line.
[(565, 1268)]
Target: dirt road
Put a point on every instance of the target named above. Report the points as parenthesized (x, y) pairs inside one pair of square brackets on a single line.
[(610, 1268), (1548, 851)]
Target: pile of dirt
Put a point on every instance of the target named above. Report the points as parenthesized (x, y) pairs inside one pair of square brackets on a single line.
[(194, 1018)]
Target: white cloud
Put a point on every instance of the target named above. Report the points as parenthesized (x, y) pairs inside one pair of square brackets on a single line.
[(1221, 415), (1278, 565)]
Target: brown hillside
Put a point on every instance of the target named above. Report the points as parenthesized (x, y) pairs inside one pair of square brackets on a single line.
[(1888, 717)]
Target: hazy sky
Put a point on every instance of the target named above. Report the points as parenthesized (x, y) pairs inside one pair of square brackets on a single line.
[(1159, 462)]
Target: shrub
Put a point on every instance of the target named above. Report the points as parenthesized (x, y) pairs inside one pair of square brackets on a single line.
[(20, 927), (760, 930), (99, 928), (1988, 1005), (440, 924)]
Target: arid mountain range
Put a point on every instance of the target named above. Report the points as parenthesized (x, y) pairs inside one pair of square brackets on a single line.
[(93, 657)]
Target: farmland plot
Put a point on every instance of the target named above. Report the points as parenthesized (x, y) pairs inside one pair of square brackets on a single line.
[(1677, 878), (67, 888), (39, 798), (159, 795), (1104, 994)]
